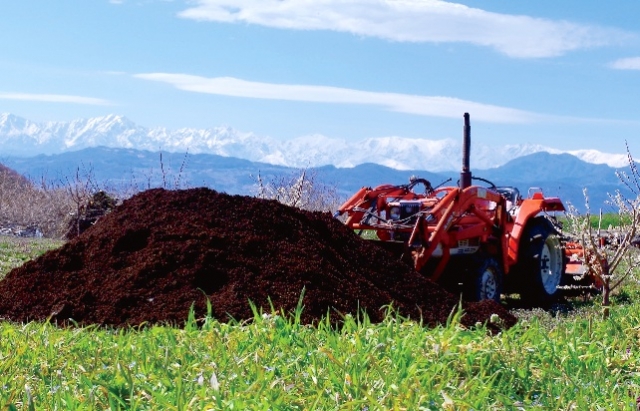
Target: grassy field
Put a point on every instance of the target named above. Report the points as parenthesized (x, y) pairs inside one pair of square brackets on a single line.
[(569, 361), (15, 251)]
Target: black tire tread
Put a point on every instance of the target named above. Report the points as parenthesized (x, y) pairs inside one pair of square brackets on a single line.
[(531, 289)]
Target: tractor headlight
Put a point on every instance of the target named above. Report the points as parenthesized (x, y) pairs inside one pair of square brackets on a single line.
[(394, 213)]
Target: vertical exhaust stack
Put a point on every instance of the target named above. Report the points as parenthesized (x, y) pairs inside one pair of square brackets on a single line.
[(465, 175)]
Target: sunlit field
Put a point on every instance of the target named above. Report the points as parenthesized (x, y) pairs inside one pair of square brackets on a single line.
[(570, 359)]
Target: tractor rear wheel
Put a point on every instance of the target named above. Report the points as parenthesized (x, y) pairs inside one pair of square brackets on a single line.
[(486, 283), (542, 263)]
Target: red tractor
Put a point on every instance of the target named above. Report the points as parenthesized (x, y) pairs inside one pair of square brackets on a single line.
[(482, 240)]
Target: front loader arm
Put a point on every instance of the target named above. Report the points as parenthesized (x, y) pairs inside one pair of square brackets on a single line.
[(371, 200), (485, 209)]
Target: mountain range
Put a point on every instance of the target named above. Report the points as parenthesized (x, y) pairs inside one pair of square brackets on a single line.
[(24, 138), (115, 152), (120, 169)]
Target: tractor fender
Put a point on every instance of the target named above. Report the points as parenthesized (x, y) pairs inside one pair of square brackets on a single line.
[(529, 209)]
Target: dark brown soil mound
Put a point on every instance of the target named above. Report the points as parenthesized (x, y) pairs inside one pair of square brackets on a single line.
[(162, 251)]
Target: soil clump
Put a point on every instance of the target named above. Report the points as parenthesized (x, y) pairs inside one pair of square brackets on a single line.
[(162, 251)]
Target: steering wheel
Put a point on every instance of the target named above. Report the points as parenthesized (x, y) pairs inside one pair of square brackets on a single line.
[(484, 180)]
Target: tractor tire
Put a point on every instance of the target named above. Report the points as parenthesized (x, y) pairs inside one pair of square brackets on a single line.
[(542, 264), (486, 280)]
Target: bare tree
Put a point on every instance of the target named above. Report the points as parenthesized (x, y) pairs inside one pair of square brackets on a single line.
[(179, 176), (27, 208), (302, 189), (80, 189), (610, 256)]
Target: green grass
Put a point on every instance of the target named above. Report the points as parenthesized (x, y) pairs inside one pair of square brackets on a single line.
[(15, 251), (571, 361), (278, 364), (612, 220)]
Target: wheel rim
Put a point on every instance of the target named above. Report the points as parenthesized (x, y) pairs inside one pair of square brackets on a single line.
[(489, 285), (551, 265)]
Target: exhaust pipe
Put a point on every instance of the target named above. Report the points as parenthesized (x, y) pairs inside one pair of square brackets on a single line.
[(465, 175)]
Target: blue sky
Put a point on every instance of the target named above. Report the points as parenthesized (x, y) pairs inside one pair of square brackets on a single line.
[(561, 74)]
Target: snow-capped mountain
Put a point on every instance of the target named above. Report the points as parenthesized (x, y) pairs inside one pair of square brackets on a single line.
[(597, 157), (22, 137)]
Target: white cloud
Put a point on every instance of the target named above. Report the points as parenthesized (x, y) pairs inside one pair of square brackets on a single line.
[(631, 63), (435, 106), (433, 21), (54, 98)]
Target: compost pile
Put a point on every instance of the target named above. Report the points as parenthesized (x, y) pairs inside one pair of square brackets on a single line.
[(162, 252)]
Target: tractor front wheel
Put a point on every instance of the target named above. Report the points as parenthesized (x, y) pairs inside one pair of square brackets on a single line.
[(486, 283), (542, 263)]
